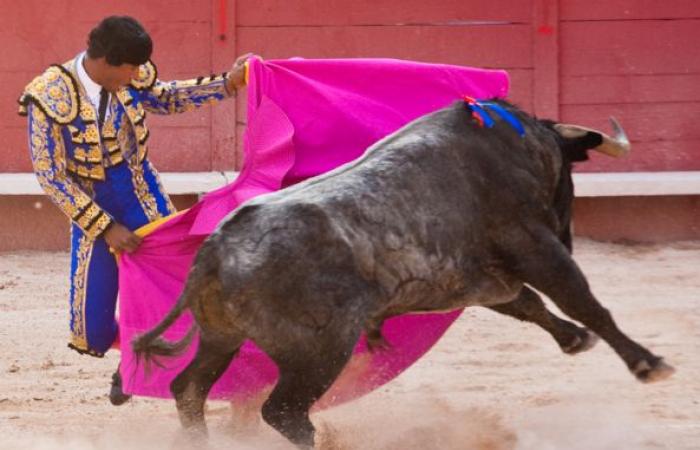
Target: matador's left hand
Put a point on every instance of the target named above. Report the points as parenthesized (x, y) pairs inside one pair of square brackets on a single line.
[(236, 76)]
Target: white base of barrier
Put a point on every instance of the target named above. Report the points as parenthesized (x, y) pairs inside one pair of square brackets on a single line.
[(610, 184), (174, 182)]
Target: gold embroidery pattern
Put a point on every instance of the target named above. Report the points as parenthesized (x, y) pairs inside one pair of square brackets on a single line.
[(161, 190), (48, 170), (51, 174), (136, 115), (83, 256), (123, 145), (108, 130), (142, 134), (87, 112), (99, 225), (143, 193), (88, 187), (55, 92), (181, 96), (115, 154), (92, 155), (91, 134), (148, 74), (109, 138), (93, 173), (86, 160)]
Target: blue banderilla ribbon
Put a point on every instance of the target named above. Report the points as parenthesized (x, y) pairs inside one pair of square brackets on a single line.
[(480, 111)]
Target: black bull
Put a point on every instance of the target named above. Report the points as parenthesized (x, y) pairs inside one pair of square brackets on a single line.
[(440, 215)]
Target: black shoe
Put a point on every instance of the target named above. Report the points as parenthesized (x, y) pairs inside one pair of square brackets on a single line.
[(116, 395)]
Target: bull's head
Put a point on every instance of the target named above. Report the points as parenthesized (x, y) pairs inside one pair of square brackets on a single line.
[(575, 141), (582, 139)]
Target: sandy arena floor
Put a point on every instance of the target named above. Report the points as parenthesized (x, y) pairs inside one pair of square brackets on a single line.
[(491, 383)]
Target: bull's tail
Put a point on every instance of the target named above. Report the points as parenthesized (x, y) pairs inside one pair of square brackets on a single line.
[(151, 344)]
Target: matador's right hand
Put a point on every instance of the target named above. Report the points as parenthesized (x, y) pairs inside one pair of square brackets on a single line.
[(120, 239)]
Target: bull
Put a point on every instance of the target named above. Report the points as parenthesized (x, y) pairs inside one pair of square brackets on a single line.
[(445, 213)]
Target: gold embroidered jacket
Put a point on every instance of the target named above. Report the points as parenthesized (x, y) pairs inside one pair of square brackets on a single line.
[(68, 151)]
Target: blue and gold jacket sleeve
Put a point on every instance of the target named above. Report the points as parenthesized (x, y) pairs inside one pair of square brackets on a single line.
[(48, 155), (169, 97)]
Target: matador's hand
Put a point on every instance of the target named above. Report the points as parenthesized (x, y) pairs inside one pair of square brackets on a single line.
[(236, 76), (121, 239)]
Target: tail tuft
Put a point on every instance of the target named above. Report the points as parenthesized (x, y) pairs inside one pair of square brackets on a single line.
[(148, 347)]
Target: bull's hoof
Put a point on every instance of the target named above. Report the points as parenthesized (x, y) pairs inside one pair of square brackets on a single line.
[(656, 371), (581, 344), (117, 397)]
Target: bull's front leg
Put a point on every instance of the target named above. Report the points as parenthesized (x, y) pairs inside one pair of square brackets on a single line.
[(304, 376), (529, 307), (544, 263)]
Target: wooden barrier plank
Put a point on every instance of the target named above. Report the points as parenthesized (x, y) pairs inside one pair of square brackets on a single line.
[(176, 51), (144, 11), (181, 149), (638, 219), (223, 118), (14, 149), (630, 47), (654, 88), (617, 57), (501, 46), (24, 50), (29, 35), (629, 9), (10, 89), (197, 118), (239, 155), (545, 83), (521, 92), (668, 155), (379, 12), (171, 148), (33, 50), (18, 53), (653, 122)]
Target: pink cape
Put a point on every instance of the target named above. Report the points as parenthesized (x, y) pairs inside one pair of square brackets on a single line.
[(305, 117)]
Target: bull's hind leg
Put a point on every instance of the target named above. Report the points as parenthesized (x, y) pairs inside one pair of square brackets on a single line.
[(549, 268), (191, 387), (303, 378), (529, 307)]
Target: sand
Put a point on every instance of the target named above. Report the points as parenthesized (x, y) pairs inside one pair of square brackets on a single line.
[(491, 383)]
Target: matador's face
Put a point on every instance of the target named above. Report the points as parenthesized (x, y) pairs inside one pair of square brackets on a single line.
[(116, 77)]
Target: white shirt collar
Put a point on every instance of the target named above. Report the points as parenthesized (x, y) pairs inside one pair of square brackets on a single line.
[(92, 89)]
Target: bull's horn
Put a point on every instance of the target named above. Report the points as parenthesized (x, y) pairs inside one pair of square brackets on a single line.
[(615, 146)]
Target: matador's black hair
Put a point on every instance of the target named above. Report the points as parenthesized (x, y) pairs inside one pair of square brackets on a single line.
[(121, 40)]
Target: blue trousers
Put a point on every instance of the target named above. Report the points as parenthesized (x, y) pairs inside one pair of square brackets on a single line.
[(133, 197), (93, 294)]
